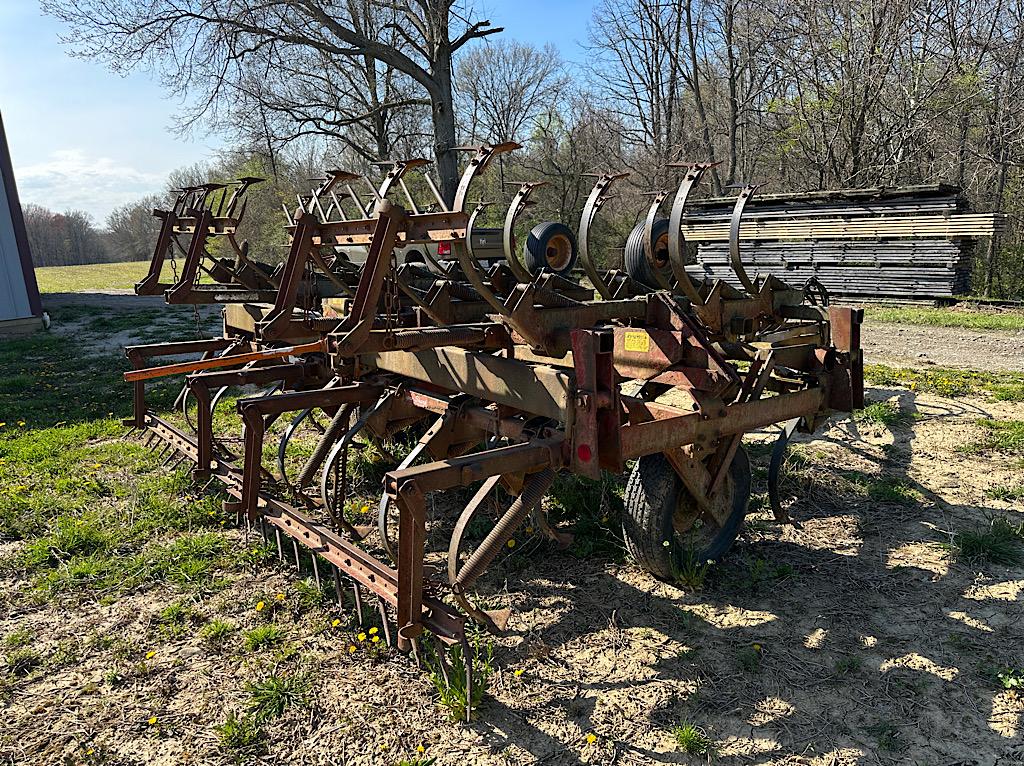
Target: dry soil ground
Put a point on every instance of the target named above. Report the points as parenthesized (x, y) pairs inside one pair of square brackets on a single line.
[(859, 636)]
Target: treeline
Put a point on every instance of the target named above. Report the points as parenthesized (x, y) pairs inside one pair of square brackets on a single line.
[(795, 94), (72, 238)]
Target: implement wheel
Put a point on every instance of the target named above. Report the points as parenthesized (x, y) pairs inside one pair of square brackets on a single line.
[(636, 262), (659, 510), (550, 246)]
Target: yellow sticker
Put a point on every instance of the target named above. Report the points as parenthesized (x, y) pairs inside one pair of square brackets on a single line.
[(638, 341)]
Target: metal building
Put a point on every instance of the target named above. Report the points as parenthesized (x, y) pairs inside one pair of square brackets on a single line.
[(20, 307)]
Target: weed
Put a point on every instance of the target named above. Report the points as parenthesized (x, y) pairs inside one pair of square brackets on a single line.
[(453, 694), (593, 507), (175, 619), (217, 632), (886, 414), (886, 734), (693, 740), (1011, 678), (311, 595), (749, 658), (998, 543), (1006, 494), (847, 665), (271, 696), (761, 572), (263, 636), (20, 637), (241, 736), (416, 762), (23, 661)]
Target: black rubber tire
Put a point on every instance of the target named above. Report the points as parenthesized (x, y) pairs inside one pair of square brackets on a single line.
[(650, 501), (635, 259), (536, 250)]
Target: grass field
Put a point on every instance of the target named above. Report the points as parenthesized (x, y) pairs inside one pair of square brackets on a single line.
[(947, 317), (90, 278)]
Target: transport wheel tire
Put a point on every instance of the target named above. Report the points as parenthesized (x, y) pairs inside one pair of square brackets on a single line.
[(635, 259), (550, 246), (659, 509)]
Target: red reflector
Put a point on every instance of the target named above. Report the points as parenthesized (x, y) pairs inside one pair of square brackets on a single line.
[(444, 248), (583, 453)]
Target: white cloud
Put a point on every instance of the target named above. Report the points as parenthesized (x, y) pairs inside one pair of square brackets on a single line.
[(72, 179)]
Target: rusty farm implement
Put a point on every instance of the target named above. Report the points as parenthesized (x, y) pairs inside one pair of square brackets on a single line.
[(503, 377)]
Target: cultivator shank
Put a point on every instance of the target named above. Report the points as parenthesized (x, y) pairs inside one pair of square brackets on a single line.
[(505, 376)]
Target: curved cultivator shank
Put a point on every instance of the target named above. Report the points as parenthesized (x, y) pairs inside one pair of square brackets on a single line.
[(504, 375)]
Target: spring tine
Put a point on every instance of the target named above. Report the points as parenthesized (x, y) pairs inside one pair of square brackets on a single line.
[(168, 457), (338, 593), (384, 620), (127, 434), (467, 659), (415, 643), (280, 550), (316, 571), (298, 560), (357, 598)]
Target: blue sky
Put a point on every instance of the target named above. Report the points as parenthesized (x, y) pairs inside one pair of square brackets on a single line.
[(83, 137)]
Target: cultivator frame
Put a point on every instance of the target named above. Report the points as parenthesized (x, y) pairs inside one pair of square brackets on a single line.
[(517, 376)]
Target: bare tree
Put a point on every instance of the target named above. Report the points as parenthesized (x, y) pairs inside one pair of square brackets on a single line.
[(505, 87), (203, 47)]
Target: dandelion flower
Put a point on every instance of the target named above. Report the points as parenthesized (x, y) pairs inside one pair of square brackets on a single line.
[(529, 530), (361, 636), (365, 509), (373, 631), (336, 623), (280, 597), (757, 647), (351, 648), (97, 465), (375, 639), (420, 749), (151, 654), (511, 543), (152, 721), (591, 739), (259, 606), (21, 422), (2, 425), (517, 672)]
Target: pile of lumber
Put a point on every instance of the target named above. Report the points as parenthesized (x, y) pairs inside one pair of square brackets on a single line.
[(911, 243)]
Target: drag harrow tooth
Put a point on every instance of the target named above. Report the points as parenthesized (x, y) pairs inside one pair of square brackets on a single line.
[(519, 371)]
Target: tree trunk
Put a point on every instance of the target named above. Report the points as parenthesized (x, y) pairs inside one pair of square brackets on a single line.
[(443, 112)]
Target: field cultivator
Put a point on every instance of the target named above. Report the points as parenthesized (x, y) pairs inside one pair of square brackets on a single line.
[(502, 378)]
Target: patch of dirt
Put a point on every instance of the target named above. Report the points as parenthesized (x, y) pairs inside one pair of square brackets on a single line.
[(904, 345), (853, 638)]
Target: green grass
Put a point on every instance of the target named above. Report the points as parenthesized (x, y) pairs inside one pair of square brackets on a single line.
[(945, 317), (90, 277), (692, 739), (886, 414), (1002, 435), (998, 543), (950, 382), (880, 487)]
